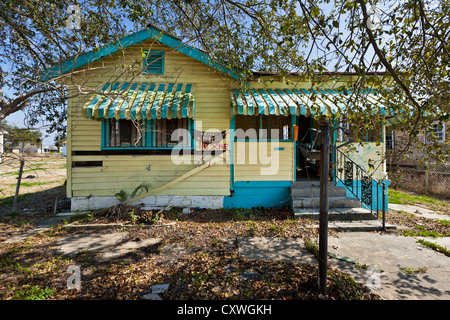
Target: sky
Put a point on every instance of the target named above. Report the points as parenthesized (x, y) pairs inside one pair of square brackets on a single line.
[(18, 119)]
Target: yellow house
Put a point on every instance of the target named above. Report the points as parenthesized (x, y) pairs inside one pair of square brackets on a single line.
[(160, 120)]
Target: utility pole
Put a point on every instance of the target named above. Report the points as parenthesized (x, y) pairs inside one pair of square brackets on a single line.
[(323, 214)]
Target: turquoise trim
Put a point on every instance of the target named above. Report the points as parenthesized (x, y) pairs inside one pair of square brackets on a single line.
[(254, 194), (148, 137), (377, 203), (157, 57), (232, 129), (129, 40)]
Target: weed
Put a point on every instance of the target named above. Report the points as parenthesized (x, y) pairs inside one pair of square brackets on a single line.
[(421, 233), (434, 246), (443, 222), (312, 247), (407, 270), (33, 293)]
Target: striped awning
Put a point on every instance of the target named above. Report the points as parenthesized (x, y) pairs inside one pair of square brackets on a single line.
[(142, 101), (299, 101)]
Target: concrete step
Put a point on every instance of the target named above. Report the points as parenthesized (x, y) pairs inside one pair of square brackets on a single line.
[(336, 214), (310, 183), (358, 226), (315, 192), (334, 202)]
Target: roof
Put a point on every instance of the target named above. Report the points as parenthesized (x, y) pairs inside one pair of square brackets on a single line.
[(150, 32)]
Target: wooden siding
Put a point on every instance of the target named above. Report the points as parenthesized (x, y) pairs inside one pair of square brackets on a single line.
[(275, 164), (128, 172), (212, 108)]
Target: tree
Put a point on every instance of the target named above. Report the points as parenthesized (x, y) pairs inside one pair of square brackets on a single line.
[(409, 41), (20, 136), (59, 140)]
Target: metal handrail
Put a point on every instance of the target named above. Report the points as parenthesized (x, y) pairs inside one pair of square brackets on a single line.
[(351, 172)]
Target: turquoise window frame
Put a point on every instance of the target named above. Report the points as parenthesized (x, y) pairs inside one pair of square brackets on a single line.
[(158, 54), (148, 137)]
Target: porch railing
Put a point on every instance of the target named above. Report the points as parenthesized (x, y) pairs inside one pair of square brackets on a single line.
[(360, 183)]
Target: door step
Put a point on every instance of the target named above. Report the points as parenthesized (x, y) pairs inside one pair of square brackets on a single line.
[(336, 214), (334, 202), (358, 226)]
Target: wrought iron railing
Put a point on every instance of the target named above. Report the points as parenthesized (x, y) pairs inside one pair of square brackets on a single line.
[(360, 183)]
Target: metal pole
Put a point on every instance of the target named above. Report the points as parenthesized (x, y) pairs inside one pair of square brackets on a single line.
[(384, 206), (18, 185), (323, 215)]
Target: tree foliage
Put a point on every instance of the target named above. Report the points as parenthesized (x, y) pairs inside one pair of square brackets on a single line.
[(408, 40), (20, 137)]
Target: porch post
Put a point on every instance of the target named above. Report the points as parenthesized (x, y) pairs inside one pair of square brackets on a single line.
[(323, 215)]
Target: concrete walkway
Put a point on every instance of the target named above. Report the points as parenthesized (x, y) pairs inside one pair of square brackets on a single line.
[(393, 255)]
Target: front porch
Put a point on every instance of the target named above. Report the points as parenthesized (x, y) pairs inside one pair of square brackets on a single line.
[(291, 134)]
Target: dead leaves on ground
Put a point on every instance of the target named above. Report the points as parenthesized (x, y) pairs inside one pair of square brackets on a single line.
[(198, 258)]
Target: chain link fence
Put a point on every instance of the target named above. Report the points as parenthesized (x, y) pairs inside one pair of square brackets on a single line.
[(432, 179)]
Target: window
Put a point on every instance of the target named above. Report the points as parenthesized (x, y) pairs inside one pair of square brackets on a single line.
[(247, 127), (146, 134), (125, 133), (171, 133), (437, 130), (359, 130), (390, 141), (261, 127), (154, 62)]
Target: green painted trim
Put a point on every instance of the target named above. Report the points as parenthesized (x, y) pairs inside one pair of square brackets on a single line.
[(159, 55)]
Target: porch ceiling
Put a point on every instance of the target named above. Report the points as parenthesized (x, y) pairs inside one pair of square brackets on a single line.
[(302, 101), (142, 101)]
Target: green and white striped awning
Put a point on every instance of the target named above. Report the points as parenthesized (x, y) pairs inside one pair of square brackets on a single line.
[(142, 101), (298, 101)]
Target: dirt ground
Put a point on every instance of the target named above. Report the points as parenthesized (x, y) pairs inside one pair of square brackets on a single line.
[(197, 254), (42, 181)]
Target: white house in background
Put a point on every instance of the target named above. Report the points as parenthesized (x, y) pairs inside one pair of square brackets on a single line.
[(50, 149)]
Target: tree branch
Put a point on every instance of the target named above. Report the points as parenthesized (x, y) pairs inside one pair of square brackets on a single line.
[(383, 59)]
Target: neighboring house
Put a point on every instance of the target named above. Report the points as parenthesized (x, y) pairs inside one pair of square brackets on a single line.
[(28, 148), (396, 139), (49, 149), (175, 129)]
